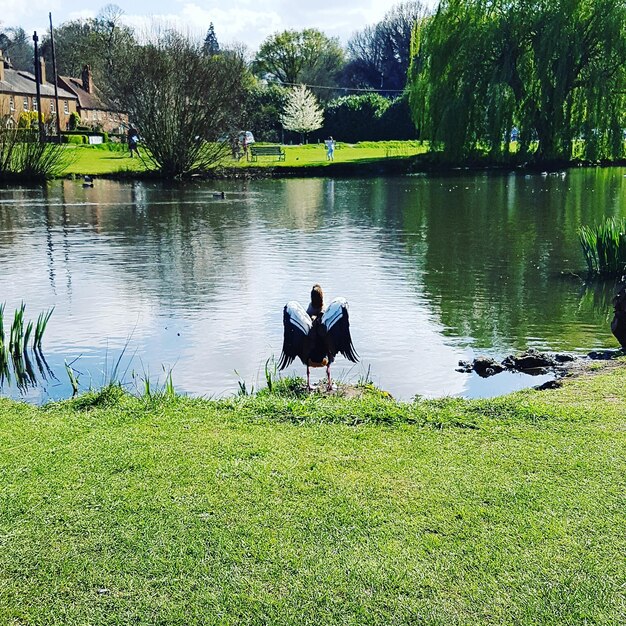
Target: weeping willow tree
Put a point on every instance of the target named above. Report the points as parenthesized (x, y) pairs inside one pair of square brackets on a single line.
[(555, 70)]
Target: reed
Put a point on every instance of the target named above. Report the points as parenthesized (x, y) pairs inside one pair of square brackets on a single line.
[(40, 328), (73, 377), (169, 391), (2, 326), (24, 157), (5, 371), (16, 342), (28, 332), (604, 246), (14, 354), (271, 373)]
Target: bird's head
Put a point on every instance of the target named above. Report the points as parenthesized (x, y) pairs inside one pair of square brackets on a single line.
[(317, 297)]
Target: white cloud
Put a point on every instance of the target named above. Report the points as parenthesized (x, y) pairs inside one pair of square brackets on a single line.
[(31, 16), (246, 21), (252, 21), (83, 14)]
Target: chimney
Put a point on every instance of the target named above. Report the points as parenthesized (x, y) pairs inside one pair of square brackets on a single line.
[(1, 66), (42, 70), (87, 79)]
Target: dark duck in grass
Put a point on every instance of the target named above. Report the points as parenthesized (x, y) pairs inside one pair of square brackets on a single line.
[(316, 335)]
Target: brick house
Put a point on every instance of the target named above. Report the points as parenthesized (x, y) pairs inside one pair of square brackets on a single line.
[(91, 106), (18, 93)]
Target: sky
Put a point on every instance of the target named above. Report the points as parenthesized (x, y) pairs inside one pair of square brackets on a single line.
[(235, 21)]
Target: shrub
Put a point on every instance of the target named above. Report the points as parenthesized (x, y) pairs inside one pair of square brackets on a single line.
[(85, 134), (181, 119), (24, 156), (27, 119), (369, 117), (74, 138), (395, 121), (74, 121), (355, 118)]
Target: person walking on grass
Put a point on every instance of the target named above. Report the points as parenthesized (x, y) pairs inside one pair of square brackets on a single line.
[(133, 141)]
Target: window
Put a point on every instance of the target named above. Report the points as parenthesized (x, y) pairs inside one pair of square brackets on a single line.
[(34, 104), (11, 103), (52, 109), (66, 106), (26, 107)]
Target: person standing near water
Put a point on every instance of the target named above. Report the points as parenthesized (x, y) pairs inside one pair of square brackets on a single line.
[(330, 149)]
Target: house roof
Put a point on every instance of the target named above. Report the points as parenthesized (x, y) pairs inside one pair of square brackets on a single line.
[(86, 100), (23, 83)]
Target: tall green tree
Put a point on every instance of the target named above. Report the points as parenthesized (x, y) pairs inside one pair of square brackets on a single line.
[(99, 42), (555, 69), (18, 46), (263, 107), (211, 46), (294, 57)]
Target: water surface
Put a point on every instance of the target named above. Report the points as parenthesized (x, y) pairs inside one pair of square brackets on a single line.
[(436, 269)]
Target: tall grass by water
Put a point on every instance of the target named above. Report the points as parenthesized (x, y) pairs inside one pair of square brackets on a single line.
[(604, 246), (23, 156), (16, 353)]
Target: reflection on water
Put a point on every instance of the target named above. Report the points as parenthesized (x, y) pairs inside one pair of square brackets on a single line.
[(436, 269)]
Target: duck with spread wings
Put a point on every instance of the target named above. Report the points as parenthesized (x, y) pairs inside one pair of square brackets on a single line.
[(316, 335)]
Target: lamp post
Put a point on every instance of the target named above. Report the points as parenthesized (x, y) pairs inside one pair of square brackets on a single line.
[(42, 130)]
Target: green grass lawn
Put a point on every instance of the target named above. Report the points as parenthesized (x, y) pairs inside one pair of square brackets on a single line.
[(115, 159), (280, 509), (315, 154), (97, 160)]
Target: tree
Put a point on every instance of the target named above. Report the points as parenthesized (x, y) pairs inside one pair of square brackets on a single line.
[(306, 56), (17, 46), (99, 42), (111, 36), (379, 55), (553, 69), (302, 114), (211, 45), (263, 106), (181, 101)]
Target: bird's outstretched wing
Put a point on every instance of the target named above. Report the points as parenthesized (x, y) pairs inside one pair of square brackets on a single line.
[(297, 325), (337, 324)]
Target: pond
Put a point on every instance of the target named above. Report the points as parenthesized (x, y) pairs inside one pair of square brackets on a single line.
[(435, 268)]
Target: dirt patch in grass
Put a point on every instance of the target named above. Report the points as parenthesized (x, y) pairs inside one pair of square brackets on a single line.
[(602, 364)]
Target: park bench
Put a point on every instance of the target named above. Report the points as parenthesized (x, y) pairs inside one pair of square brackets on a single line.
[(269, 151)]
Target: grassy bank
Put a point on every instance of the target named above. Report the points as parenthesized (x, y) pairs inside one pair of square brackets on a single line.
[(111, 159), (311, 510)]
